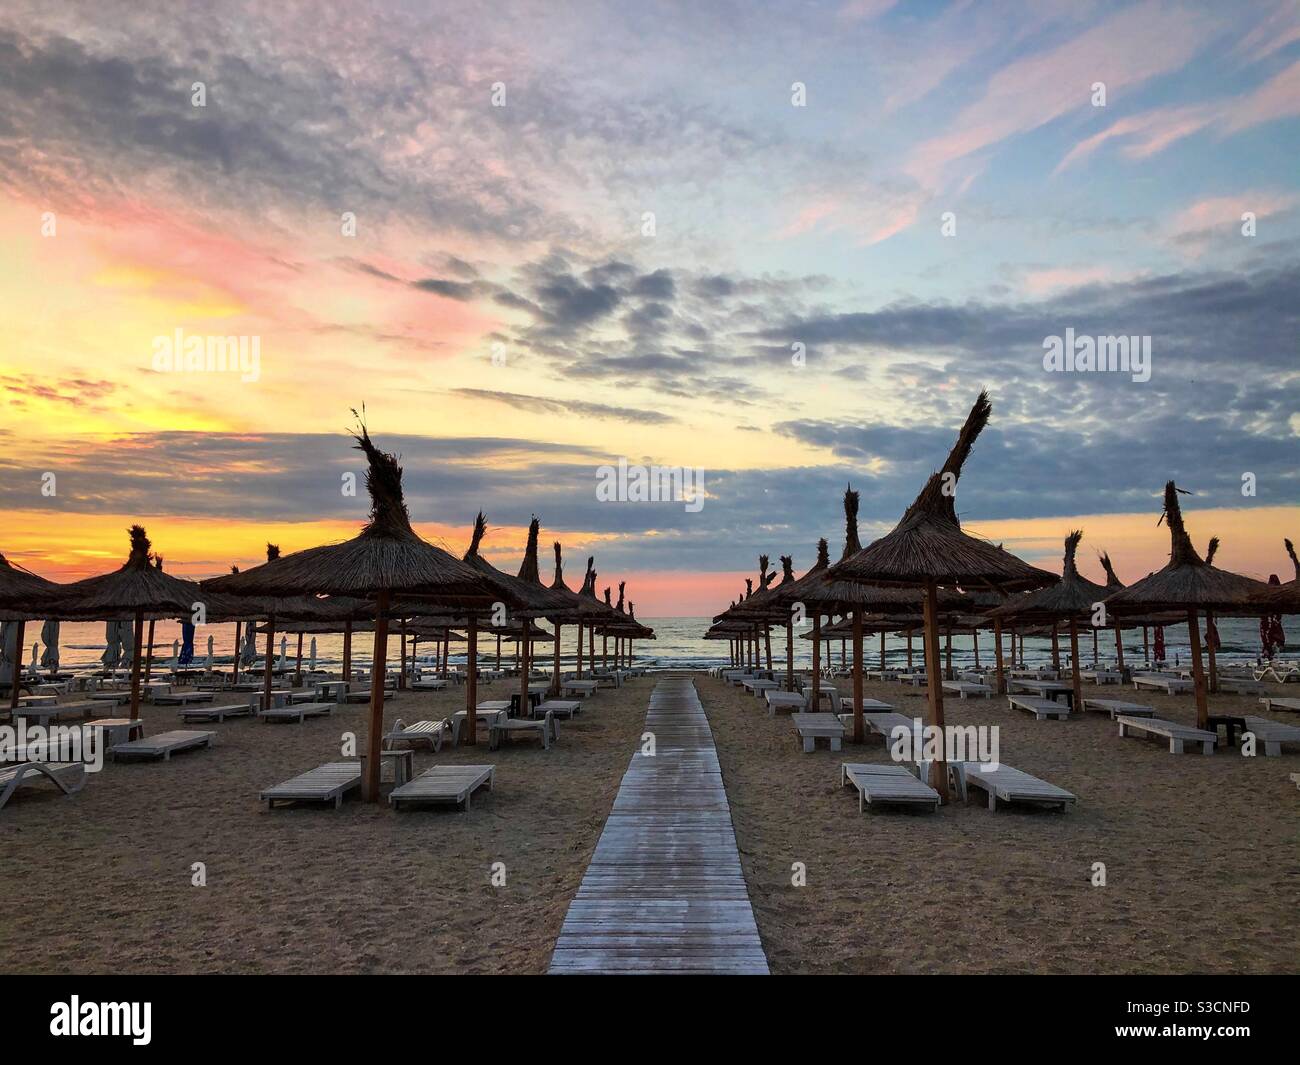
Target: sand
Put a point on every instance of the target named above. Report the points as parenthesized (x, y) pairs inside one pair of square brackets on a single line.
[(1202, 854), (101, 882)]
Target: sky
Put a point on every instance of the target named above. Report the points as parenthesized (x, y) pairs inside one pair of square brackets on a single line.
[(786, 245)]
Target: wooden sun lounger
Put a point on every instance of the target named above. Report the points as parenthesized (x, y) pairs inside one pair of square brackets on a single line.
[(297, 713), (1295, 779), (1007, 784), (1042, 709), (507, 727), (162, 745), (1240, 686), (214, 713), (181, 698), (1272, 703), (1272, 734), (45, 714), (812, 727), (442, 784), (965, 689), (884, 724), (68, 777), (582, 687), (1169, 685), (565, 708), (325, 783), (1115, 707), (428, 685), (421, 732), (109, 697), (784, 701), (880, 674), (869, 706), (1177, 735), (1103, 676), (892, 785)]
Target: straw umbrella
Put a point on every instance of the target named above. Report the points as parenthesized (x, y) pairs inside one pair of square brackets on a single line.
[(1188, 584), (928, 549), (386, 559), (19, 589)]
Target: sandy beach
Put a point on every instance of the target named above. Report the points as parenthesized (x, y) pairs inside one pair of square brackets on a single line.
[(101, 882), (1202, 854)]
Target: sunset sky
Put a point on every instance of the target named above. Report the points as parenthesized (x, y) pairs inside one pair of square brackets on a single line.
[(643, 235)]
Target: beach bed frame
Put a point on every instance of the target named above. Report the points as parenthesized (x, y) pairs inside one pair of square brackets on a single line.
[(815, 726), (1010, 785), (1103, 676), (214, 713), (325, 783), (443, 784), (429, 685), (1168, 685), (162, 745), (883, 724), (1272, 734), (297, 713), (1178, 735), (181, 698), (793, 701), (887, 785), (965, 689), (1041, 708), (1272, 702), (68, 777), (507, 727), (1115, 707), (1240, 686), (582, 688), (869, 706), (418, 733), (565, 708), (45, 714)]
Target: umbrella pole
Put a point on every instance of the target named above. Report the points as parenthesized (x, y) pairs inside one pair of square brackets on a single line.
[(789, 654), (238, 626), (446, 652), (498, 650), (817, 661), (401, 677), (882, 650), (997, 656), (1198, 672), (270, 661), (1209, 648), (947, 656), (555, 671), (934, 689), (527, 651), (148, 654), (17, 669), (1056, 650), (591, 646), (1094, 647), (909, 650), (975, 639), (297, 680), (1146, 646), (347, 653), (1074, 666), (767, 642), (579, 662), (135, 665), (857, 676), (604, 650), (471, 681), (378, 674), (1119, 648), (843, 663)]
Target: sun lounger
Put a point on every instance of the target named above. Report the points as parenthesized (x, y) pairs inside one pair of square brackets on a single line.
[(298, 713), (1007, 784), (442, 784), (884, 724), (1041, 708), (45, 714), (812, 727), (1240, 686), (1115, 707), (162, 745), (325, 783), (1272, 734), (1103, 676), (110, 697), (1272, 703), (565, 708), (880, 674), (214, 713), (1295, 779), (965, 689), (422, 732), (1177, 735), (892, 785), (68, 777), (578, 687), (181, 698), (543, 727), (776, 700), (429, 685), (1169, 685), (869, 706)]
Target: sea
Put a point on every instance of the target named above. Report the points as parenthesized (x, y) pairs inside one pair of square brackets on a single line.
[(679, 644)]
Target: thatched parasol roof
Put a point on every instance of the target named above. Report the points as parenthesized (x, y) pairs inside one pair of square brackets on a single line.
[(928, 544), (535, 599), (21, 590), (386, 556), (1187, 582), (581, 607), (1073, 597), (137, 587)]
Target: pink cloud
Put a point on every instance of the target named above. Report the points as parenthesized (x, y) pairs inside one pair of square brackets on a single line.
[(1040, 282), (1192, 228)]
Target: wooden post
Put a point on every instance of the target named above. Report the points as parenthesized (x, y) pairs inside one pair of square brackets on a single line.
[(858, 736), (1119, 647), (882, 649), (1056, 650), (1095, 660), (471, 681), (270, 661), (934, 689), (1146, 646), (446, 655), (591, 647), (1074, 666), (148, 653), (238, 648), (527, 667), (842, 661), (555, 671), (579, 662), (1198, 672), (297, 682), (1209, 647), (975, 638), (767, 640), (604, 649), (947, 658), (789, 653), (375, 730), (498, 650), (909, 649), (816, 661), (997, 656), (18, 669), (401, 676), (347, 654)]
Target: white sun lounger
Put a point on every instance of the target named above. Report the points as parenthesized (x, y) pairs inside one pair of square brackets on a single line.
[(110, 697), (1295, 779), (1007, 784), (298, 713), (442, 784), (214, 713), (325, 783), (429, 685), (565, 708), (162, 745), (1177, 735), (421, 732), (1272, 734), (1272, 703), (1042, 709), (181, 698), (965, 689), (45, 714), (884, 724), (869, 706), (1115, 707), (1240, 686), (1169, 685), (812, 727), (892, 785), (580, 687), (68, 777), (507, 727), (776, 700)]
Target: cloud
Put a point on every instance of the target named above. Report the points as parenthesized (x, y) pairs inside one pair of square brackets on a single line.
[(568, 406)]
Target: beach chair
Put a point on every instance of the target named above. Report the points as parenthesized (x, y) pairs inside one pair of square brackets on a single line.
[(1168, 685), (214, 713), (422, 732), (1115, 707), (812, 727), (325, 783), (965, 689), (543, 727), (565, 708), (1272, 703), (884, 724), (68, 777), (1272, 734), (429, 685), (181, 698), (43, 715), (162, 745), (1042, 709), (1240, 686), (297, 714), (443, 784), (1179, 736), (887, 785), (1009, 785), (793, 701)]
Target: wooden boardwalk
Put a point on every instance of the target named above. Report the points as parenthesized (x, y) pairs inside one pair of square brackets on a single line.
[(664, 892)]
